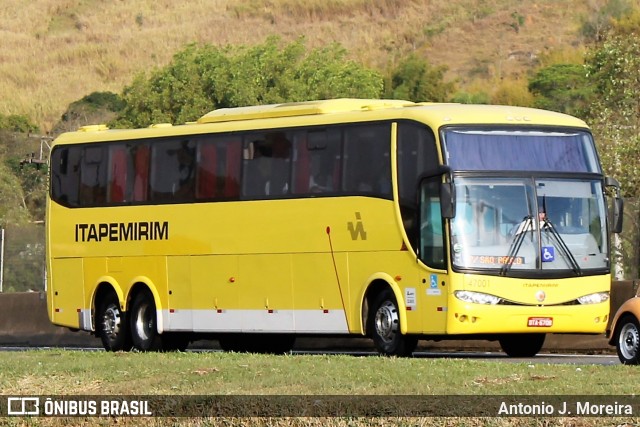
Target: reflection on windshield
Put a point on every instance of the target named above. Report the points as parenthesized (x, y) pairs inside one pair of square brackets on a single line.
[(522, 224)]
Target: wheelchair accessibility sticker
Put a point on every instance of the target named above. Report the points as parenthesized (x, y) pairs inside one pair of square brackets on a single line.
[(548, 254)]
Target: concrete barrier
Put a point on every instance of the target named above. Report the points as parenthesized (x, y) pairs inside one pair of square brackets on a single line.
[(24, 322)]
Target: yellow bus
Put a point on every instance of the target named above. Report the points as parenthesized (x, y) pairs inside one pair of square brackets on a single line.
[(395, 220)]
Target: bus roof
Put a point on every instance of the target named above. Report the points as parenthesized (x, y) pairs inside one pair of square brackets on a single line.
[(439, 112), (301, 109), (349, 109)]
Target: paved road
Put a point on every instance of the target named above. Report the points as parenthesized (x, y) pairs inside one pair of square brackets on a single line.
[(565, 359), (543, 358)]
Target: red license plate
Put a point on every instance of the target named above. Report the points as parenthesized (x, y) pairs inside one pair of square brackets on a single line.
[(544, 322)]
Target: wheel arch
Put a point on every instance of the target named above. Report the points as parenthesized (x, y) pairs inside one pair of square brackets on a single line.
[(377, 283), (106, 286), (629, 307)]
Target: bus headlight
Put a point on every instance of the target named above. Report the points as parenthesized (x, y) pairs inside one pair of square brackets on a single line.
[(596, 298), (477, 297)]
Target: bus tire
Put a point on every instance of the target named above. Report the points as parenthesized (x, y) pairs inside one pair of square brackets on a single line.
[(521, 345), (111, 324), (628, 340), (143, 322), (384, 327)]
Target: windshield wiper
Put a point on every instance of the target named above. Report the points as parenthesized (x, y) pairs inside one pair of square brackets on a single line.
[(516, 243), (548, 225)]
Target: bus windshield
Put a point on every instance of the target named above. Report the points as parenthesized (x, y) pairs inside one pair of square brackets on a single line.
[(510, 224)]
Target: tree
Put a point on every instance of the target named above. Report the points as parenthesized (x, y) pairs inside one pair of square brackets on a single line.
[(604, 18), (562, 87), (203, 78), (614, 68), (416, 80)]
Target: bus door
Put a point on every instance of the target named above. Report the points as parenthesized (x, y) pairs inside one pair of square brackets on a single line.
[(432, 253)]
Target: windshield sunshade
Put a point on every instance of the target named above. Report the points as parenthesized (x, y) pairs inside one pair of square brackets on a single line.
[(475, 150)]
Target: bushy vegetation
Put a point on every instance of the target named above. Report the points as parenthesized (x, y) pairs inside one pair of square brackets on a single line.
[(17, 123), (204, 77)]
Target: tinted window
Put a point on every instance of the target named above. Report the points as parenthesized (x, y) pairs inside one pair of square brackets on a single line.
[(367, 163), (218, 173), (317, 161), (267, 164), (305, 162), (93, 175), (173, 170), (65, 175), (417, 157)]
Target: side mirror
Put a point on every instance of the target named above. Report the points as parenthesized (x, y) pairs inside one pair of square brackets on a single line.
[(618, 210), (618, 205), (447, 200)]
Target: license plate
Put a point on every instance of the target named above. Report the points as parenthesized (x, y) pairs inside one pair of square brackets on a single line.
[(544, 322)]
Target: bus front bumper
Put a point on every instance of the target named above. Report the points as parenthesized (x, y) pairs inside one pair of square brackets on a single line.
[(469, 318)]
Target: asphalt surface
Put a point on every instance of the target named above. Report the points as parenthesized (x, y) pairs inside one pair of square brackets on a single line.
[(542, 358)]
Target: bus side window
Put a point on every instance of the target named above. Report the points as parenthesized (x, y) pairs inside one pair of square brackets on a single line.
[(317, 162), (431, 231), (65, 175), (231, 188), (367, 160), (141, 154), (218, 169), (256, 169), (301, 167), (93, 176), (118, 174), (267, 166), (207, 180), (173, 170)]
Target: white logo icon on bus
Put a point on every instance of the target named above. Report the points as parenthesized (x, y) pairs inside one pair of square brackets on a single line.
[(548, 254)]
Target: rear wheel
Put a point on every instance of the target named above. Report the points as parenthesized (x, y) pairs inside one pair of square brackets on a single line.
[(522, 345), (384, 326), (144, 330), (628, 341), (111, 325)]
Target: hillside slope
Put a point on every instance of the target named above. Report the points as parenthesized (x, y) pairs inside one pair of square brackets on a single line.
[(56, 51)]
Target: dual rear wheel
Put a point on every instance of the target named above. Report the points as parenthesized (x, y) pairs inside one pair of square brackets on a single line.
[(137, 328)]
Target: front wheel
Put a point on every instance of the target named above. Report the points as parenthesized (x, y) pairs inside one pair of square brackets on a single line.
[(111, 325), (522, 345), (384, 326), (628, 342), (143, 322)]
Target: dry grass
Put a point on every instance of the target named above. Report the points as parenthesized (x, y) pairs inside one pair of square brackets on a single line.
[(56, 51)]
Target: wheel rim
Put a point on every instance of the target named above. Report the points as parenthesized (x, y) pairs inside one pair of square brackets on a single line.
[(143, 322), (628, 341), (387, 321), (111, 321)]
